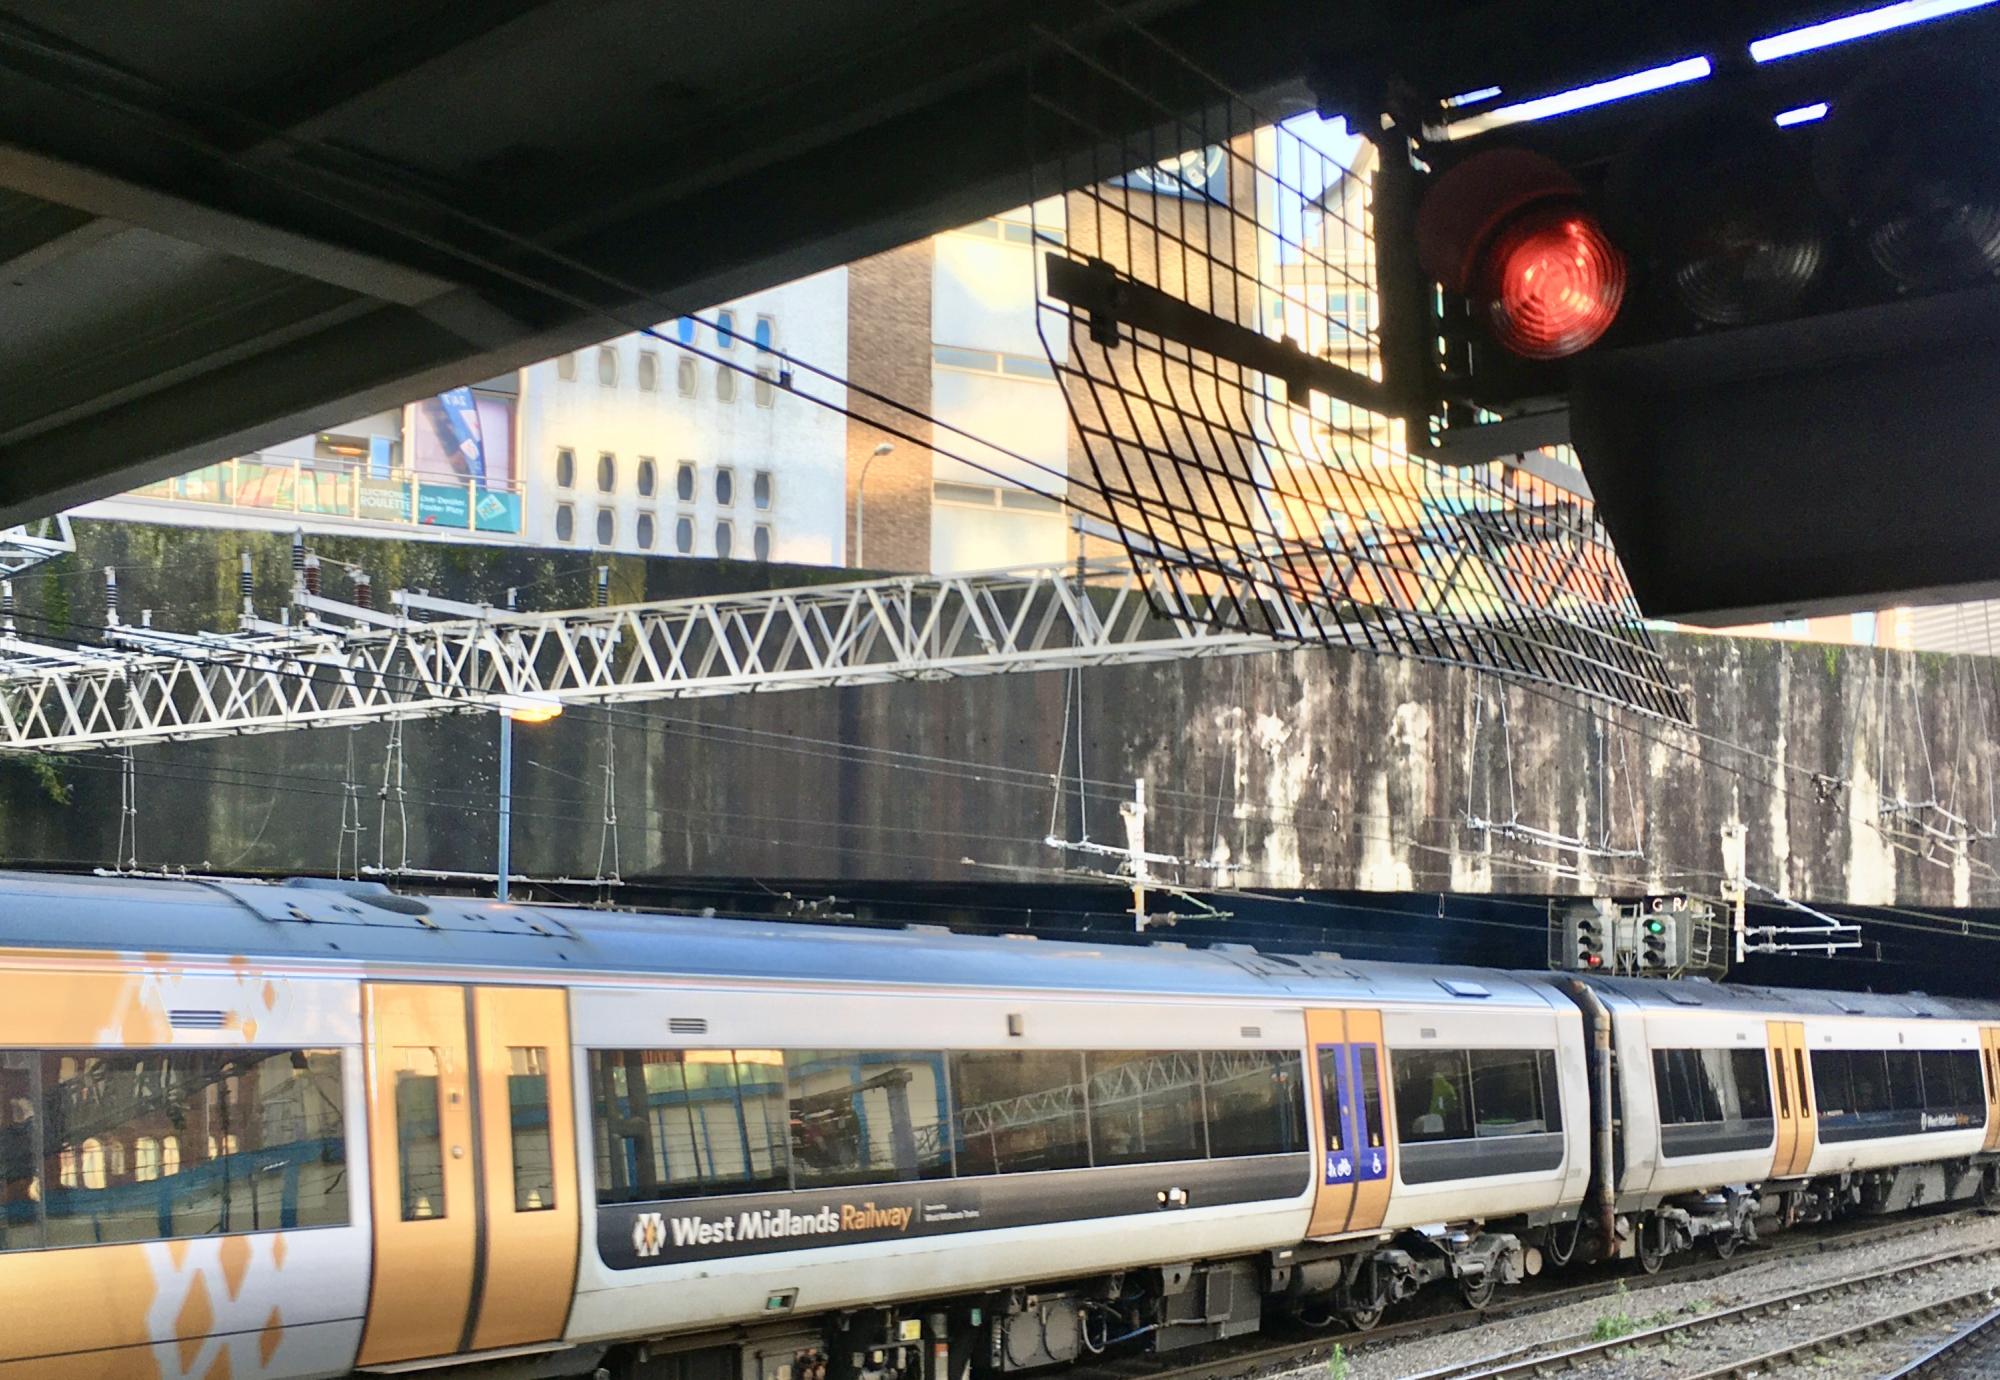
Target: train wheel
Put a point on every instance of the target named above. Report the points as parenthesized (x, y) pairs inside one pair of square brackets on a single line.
[(1479, 1292), (1362, 1319), (1725, 1244), (1652, 1245), (1559, 1242)]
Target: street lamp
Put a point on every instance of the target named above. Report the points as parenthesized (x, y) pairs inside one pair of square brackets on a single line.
[(527, 709), (861, 501)]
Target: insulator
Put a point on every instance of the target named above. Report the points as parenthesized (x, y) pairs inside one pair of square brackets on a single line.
[(246, 585), (311, 574), (111, 595), (603, 585), (364, 590)]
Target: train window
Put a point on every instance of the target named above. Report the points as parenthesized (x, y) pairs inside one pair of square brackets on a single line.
[(1831, 1083), (1750, 1084), (1971, 1090), (1145, 1107), (1433, 1101), (419, 1148), (1906, 1081), (1371, 1094), (1806, 1101), (1019, 1111), (110, 1125), (683, 1124), (1868, 1079), (1253, 1102), (1506, 1093), (20, 1167), (1951, 1082), (528, 1129), (865, 1117), (1784, 1084), (1330, 1080), (1689, 1083)]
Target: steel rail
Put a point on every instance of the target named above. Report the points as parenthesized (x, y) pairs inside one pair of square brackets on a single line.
[(1232, 1362), (1538, 1359), (1848, 1336), (1948, 1357)]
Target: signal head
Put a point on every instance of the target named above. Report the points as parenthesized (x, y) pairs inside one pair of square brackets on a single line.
[(1509, 230)]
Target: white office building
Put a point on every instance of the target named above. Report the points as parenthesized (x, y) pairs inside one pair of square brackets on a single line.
[(639, 447), (991, 376)]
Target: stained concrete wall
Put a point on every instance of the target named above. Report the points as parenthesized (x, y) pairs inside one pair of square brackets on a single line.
[(1307, 769)]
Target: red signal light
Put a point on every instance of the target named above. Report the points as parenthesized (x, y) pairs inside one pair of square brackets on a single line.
[(1553, 282), (1593, 961), (1508, 229)]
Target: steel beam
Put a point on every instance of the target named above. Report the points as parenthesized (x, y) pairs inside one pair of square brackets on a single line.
[(339, 664)]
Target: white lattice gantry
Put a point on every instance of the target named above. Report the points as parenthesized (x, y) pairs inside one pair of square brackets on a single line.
[(338, 663)]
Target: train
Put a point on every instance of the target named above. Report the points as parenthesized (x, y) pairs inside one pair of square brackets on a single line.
[(317, 1128)]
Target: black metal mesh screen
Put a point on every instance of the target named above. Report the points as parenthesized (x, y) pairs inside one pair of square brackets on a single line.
[(1195, 290)]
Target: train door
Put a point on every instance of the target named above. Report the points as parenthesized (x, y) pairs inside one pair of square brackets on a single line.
[(1796, 1134), (1989, 1060), (1357, 1151), (472, 1149), (1784, 1099)]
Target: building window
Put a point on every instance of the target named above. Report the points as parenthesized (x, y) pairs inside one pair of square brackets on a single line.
[(766, 330), (566, 368), (607, 366), (725, 329), (645, 531), (607, 526), (565, 468), (607, 472), (684, 375), (684, 535), (684, 481), (684, 330), (725, 538), (649, 372), (725, 486), (646, 476), (565, 522), (767, 389), (725, 383), (760, 541), (760, 490)]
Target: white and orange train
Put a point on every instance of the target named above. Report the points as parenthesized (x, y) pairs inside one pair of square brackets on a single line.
[(310, 1129)]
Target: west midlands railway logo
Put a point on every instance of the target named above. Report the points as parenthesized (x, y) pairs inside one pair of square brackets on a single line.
[(649, 1233)]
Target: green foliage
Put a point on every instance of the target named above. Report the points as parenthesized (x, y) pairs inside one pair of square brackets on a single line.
[(1831, 652), (47, 772), (1619, 1323), (1337, 1365)]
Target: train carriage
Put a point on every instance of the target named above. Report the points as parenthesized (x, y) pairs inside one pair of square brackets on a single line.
[(1737, 1103), (300, 1130)]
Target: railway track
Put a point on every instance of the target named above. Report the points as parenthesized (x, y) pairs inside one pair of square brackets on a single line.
[(1572, 1353), (1972, 1351), (1269, 1356)]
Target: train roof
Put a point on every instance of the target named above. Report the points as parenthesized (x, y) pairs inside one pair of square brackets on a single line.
[(314, 920), (364, 922), (1651, 993)]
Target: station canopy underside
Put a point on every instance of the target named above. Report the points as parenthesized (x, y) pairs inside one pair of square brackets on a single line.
[(244, 222)]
